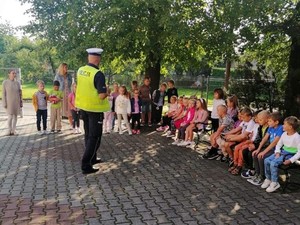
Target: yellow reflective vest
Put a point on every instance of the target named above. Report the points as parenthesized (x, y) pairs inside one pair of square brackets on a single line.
[(87, 97)]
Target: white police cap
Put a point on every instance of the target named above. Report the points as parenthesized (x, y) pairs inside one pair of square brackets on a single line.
[(94, 51)]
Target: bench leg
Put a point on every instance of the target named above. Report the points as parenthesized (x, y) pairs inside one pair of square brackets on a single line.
[(286, 182)]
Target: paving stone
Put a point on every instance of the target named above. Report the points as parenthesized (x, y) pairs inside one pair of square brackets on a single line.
[(143, 180)]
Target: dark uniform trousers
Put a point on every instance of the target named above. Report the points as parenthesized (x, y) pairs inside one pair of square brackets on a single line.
[(92, 133)]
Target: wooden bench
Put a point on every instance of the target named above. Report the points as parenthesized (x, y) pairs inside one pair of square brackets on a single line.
[(287, 170)]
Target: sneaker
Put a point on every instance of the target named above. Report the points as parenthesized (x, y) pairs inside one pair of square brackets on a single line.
[(142, 124), (149, 124), (138, 132), (52, 131), (166, 128), (130, 132), (219, 157), (170, 135), (213, 156), (160, 129), (120, 132), (273, 187), (176, 142), (184, 143), (224, 159), (79, 131), (247, 174), (165, 134), (58, 131), (256, 180), (75, 131), (133, 131), (210, 153), (266, 183), (40, 132)]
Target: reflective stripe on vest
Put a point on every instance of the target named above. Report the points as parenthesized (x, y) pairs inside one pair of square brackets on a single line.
[(87, 97)]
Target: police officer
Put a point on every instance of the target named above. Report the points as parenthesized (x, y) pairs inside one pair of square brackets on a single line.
[(91, 99)]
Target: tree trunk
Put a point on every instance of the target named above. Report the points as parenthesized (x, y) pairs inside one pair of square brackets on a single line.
[(153, 71), (227, 74), (292, 87)]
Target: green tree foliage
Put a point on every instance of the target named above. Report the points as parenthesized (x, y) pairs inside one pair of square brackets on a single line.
[(31, 56), (153, 32)]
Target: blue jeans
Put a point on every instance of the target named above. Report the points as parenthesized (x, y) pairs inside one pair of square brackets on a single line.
[(272, 163)]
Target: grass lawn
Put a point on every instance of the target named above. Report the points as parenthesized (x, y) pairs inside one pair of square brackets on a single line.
[(30, 89)]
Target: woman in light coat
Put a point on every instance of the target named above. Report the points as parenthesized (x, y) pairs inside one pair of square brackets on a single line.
[(65, 81), (12, 101)]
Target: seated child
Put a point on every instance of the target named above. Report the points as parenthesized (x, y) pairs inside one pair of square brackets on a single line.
[(262, 120), (272, 137), (216, 139), (238, 160), (287, 151), (178, 117), (173, 106), (200, 118), (232, 107), (188, 117), (238, 134)]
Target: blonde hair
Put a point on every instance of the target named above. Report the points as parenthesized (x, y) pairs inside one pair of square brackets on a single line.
[(60, 69), (40, 82)]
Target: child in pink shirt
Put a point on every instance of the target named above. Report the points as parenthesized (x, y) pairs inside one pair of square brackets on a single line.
[(187, 119), (200, 118), (74, 110)]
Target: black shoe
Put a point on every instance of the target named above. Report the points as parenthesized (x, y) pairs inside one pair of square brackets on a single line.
[(98, 160), (224, 159), (213, 156), (88, 171)]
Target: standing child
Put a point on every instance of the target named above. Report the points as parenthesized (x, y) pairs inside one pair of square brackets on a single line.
[(108, 116), (55, 98), (218, 100), (123, 109), (39, 101), (287, 151), (172, 90), (158, 102), (134, 85), (260, 154), (145, 94), (74, 111), (136, 104)]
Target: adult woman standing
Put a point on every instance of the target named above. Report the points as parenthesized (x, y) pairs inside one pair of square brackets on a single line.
[(65, 81), (12, 101)]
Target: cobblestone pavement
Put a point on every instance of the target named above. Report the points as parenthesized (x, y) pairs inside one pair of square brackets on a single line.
[(143, 180)]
